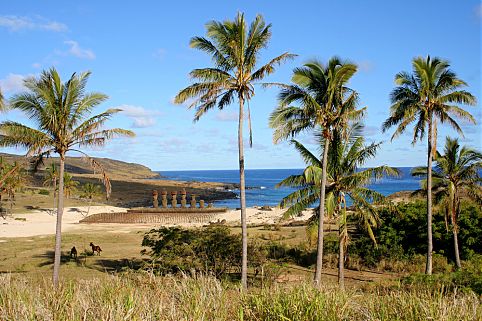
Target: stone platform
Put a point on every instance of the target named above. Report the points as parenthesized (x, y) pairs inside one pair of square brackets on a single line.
[(157, 215)]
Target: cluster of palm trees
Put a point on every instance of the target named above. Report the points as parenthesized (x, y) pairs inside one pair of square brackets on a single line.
[(318, 101)]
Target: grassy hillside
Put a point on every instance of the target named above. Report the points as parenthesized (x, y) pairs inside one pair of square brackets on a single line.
[(79, 165)]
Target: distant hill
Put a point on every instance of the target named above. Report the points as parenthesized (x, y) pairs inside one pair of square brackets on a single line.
[(79, 166)]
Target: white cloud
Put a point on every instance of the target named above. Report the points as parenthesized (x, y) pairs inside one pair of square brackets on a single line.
[(226, 116), (143, 122), (77, 51), (160, 53), (478, 11), (36, 65), (371, 130), (365, 66), (13, 83), (141, 117), (16, 23)]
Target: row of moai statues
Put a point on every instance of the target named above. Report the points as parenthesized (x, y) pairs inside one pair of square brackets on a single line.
[(164, 201)]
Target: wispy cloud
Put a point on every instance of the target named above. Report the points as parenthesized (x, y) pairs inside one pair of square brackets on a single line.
[(371, 130), (79, 52), (478, 11), (13, 83), (365, 66), (160, 53), (141, 117), (226, 116), (17, 23)]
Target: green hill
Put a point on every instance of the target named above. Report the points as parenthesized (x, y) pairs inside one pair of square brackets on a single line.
[(79, 165)]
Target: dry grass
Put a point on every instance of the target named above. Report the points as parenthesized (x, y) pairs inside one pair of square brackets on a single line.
[(146, 297)]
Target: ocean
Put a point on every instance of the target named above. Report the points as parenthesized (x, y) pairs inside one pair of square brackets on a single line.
[(261, 183)]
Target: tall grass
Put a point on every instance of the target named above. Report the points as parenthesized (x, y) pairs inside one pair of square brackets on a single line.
[(146, 297)]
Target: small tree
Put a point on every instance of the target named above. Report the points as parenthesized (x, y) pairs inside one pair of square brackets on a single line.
[(89, 191), (12, 180), (50, 179), (346, 179), (70, 185)]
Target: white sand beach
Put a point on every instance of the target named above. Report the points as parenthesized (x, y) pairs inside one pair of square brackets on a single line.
[(42, 222)]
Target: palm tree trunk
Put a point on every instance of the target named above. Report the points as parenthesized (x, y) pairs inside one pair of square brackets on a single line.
[(341, 262), (455, 233), (428, 267), (456, 248), (55, 189), (58, 230), (242, 192), (319, 253)]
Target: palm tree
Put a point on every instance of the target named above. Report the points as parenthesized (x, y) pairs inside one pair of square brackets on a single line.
[(61, 112), (69, 185), (12, 180), (89, 191), (235, 50), (2, 103), (51, 178), (456, 173), (431, 93), (346, 155), (324, 104)]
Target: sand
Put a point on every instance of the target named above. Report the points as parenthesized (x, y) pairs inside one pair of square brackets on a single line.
[(42, 222)]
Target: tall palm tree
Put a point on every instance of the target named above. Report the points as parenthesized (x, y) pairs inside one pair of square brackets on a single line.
[(456, 173), (51, 178), (431, 93), (61, 112), (346, 155), (325, 103), (234, 49)]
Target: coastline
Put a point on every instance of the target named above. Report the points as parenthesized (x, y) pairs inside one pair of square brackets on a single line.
[(42, 222)]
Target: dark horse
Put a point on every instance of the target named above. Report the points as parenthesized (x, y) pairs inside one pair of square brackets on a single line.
[(73, 253), (95, 248)]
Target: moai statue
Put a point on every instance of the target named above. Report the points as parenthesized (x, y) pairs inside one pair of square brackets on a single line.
[(155, 202), (174, 199), (183, 198), (201, 203), (210, 205), (193, 200), (164, 198)]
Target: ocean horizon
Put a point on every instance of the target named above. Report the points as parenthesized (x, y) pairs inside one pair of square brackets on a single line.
[(260, 183)]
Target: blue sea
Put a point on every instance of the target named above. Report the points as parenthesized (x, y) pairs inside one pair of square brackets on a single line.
[(261, 183)]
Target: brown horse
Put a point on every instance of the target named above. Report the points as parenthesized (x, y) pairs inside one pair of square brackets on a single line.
[(95, 248)]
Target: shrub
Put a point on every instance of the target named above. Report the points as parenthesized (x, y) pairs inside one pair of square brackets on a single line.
[(402, 235), (211, 250), (44, 192)]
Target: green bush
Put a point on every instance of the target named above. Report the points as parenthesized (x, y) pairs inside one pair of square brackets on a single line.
[(44, 192), (403, 235), (211, 250)]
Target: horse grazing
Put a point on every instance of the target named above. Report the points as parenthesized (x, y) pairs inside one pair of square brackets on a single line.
[(73, 253), (95, 248)]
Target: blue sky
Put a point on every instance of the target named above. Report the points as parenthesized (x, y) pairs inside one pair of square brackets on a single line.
[(139, 55)]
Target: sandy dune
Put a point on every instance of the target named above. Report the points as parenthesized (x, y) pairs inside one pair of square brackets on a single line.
[(42, 222)]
